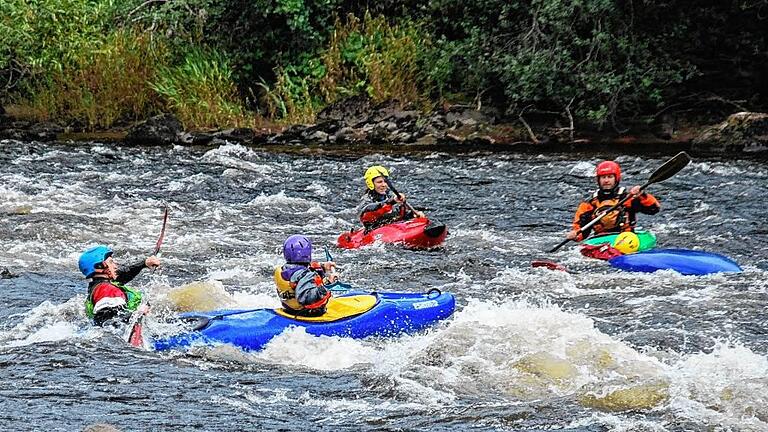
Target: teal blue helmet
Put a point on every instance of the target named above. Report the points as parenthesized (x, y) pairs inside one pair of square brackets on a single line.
[(92, 258)]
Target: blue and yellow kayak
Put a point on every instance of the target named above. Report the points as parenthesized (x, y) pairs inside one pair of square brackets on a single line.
[(354, 315)]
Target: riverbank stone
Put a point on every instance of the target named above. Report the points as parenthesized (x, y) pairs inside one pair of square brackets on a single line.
[(28, 131), (742, 132), (164, 129)]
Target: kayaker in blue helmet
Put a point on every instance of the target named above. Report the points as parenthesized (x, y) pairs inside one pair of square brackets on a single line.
[(107, 296), (609, 193), (301, 282), (381, 206)]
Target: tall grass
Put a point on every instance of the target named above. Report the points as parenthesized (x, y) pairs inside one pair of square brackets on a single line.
[(201, 91), (99, 87), (384, 60), (370, 56)]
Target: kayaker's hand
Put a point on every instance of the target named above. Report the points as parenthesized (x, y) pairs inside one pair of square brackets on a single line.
[(152, 262), (635, 190), (331, 278), (400, 198), (419, 214), (328, 266), (572, 235)]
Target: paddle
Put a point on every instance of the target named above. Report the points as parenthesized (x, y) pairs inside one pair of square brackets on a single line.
[(670, 168), (434, 229), (397, 194), (162, 232), (135, 337), (336, 286), (549, 264)]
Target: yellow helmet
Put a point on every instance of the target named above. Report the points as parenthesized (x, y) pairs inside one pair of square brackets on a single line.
[(373, 172), (627, 242)]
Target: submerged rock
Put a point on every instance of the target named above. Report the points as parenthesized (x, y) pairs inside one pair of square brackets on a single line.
[(547, 367), (6, 274), (641, 397), (200, 296), (742, 132)]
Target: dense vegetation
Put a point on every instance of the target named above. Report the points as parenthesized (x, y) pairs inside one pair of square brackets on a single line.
[(214, 63)]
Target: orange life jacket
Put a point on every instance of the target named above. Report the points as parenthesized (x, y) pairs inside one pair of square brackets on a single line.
[(615, 221)]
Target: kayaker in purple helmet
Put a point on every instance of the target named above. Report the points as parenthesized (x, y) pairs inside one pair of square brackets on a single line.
[(382, 206), (301, 282)]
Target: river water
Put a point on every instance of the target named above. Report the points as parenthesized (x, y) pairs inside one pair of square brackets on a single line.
[(528, 348)]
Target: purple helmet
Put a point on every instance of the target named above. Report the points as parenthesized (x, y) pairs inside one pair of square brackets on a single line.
[(297, 249)]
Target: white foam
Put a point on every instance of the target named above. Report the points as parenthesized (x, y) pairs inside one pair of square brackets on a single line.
[(726, 387)]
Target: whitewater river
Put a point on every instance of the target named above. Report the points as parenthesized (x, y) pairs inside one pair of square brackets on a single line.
[(527, 349)]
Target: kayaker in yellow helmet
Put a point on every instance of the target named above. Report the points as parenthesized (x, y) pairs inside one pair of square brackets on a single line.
[(381, 206), (609, 193)]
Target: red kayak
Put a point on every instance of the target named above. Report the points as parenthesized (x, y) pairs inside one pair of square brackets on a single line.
[(418, 233)]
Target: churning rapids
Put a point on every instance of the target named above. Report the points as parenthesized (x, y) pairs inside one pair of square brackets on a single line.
[(528, 348)]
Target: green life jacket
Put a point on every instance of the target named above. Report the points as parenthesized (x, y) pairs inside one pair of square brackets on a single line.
[(133, 296)]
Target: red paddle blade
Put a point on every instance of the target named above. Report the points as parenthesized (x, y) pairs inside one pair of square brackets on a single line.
[(136, 339), (162, 232), (548, 264), (601, 252)]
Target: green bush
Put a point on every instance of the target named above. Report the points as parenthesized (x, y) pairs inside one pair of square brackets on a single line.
[(48, 35)]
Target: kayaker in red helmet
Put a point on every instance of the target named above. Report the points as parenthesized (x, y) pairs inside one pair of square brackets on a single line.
[(107, 296), (381, 206), (302, 283), (608, 176)]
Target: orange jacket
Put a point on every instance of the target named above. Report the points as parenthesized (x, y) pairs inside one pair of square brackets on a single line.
[(621, 219)]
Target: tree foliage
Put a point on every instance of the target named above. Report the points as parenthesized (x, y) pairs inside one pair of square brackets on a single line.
[(595, 61)]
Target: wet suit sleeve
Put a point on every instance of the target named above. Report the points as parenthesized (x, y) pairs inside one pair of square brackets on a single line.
[(645, 203), (308, 292), (127, 275), (583, 216)]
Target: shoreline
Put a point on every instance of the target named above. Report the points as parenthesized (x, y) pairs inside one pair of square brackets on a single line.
[(341, 129)]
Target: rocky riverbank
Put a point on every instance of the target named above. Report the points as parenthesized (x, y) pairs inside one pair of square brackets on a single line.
[(358, 123)]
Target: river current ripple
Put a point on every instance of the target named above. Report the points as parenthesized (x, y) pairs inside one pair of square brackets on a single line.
[(528, 348)]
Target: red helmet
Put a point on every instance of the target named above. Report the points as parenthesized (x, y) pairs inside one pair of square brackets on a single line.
[(608, 167)]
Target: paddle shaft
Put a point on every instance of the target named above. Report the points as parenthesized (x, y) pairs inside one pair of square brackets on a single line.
[(670, 168), (135, 336), (329, 258), (397, 194)]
